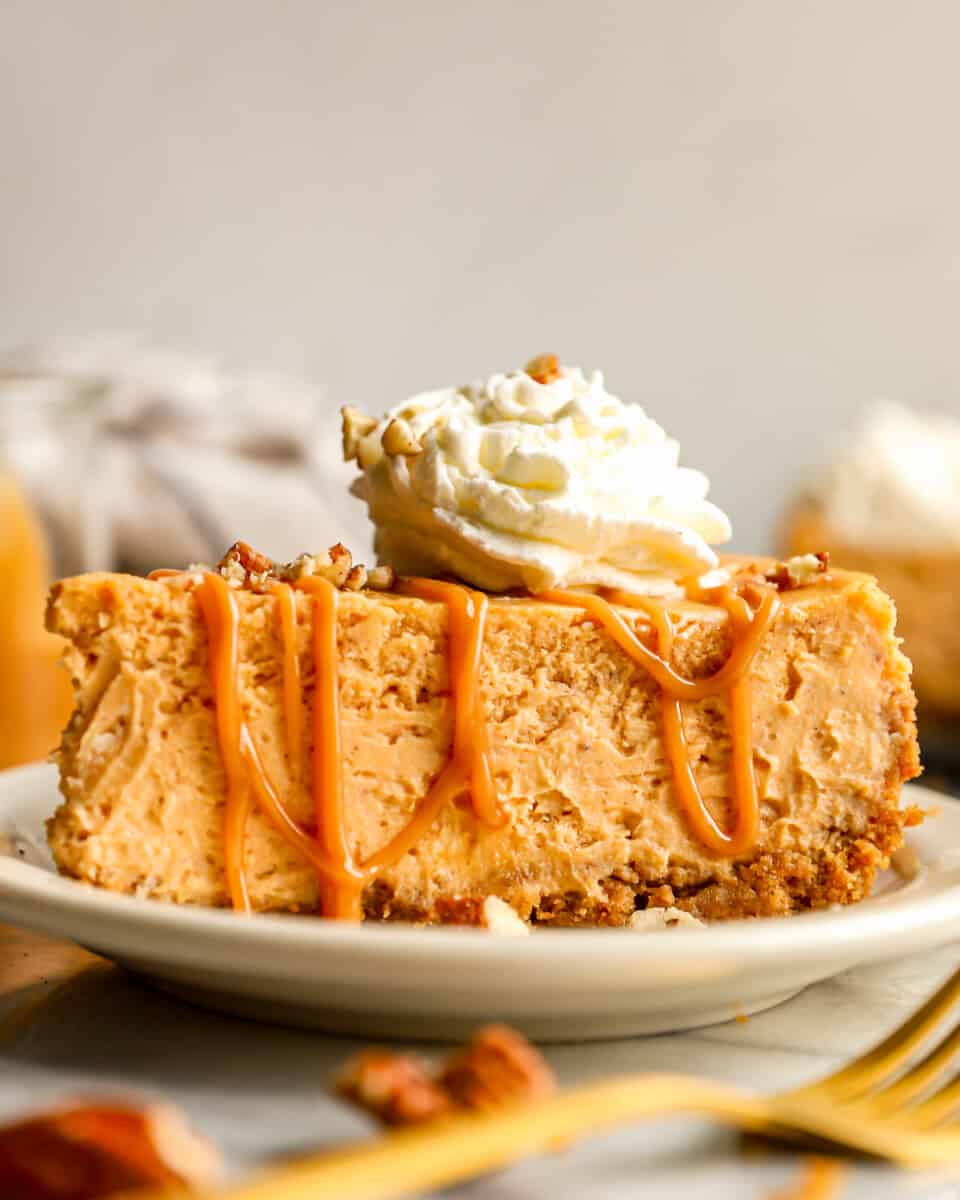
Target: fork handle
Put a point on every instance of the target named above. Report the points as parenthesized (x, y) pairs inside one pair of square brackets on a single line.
[(464, 1147)]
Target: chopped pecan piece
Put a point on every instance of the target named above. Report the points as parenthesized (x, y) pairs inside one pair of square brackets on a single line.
[(252, 561), (341, 564), (395, 1088), (355, 426), (243, 567), (398, 438), (356, 579), (545, 368), (87, 1152), (799, 571), (382, 578), (497, 1066), (369, 453)]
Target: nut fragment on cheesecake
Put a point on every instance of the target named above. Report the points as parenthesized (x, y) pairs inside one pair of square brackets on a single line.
[(242, 566)]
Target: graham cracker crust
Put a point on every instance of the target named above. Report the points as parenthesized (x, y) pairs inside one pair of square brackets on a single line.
[(774, 884)]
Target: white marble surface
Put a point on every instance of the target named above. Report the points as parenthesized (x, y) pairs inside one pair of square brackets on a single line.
[(262, 1091)]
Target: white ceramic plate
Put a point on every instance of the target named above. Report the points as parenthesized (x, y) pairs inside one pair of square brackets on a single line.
[(396, 981)]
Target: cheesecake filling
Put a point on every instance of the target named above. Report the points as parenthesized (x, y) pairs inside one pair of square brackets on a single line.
[(533, 479), (469, 770)]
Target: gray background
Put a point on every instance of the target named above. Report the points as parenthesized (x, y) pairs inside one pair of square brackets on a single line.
[(746, 213)]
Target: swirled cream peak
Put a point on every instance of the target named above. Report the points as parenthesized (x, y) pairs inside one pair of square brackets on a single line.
[(534, 479), (894, 482)]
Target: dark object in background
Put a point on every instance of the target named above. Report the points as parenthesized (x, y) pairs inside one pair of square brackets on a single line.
[(940, 755)]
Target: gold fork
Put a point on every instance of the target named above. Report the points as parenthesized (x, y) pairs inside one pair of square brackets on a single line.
[(870, 1106)]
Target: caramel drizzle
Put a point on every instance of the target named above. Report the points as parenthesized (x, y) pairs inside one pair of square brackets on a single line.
[(749, 628), (469, 768), (219, 607), (242, 763)]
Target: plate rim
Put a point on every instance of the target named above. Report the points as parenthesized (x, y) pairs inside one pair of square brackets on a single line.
[(32, 897)]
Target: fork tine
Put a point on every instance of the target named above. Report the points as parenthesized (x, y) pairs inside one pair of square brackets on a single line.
[(919, 1077), (934, 1109), (885, 1058)]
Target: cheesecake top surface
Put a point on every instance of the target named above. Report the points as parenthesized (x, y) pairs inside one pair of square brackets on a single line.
[(243, 567)]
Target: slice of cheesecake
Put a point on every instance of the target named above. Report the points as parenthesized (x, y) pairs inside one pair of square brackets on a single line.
[(248, 735)]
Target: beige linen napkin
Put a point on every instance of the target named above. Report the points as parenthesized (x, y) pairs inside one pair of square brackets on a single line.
[(138, 457)]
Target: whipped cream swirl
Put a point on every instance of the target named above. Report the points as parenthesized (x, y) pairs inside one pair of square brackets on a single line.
[(523, 482)]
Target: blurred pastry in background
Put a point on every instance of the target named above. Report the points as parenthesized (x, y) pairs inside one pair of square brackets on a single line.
[(887, 502)]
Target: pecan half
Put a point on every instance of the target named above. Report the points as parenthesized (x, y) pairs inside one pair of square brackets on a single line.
[(545, 368), (497, 1066), (95, 1150)]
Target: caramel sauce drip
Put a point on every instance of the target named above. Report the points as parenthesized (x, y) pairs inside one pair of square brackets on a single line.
[(242, 763), (219, 607), (468, 770), (340, 894), (470, 764), (732, 678)]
